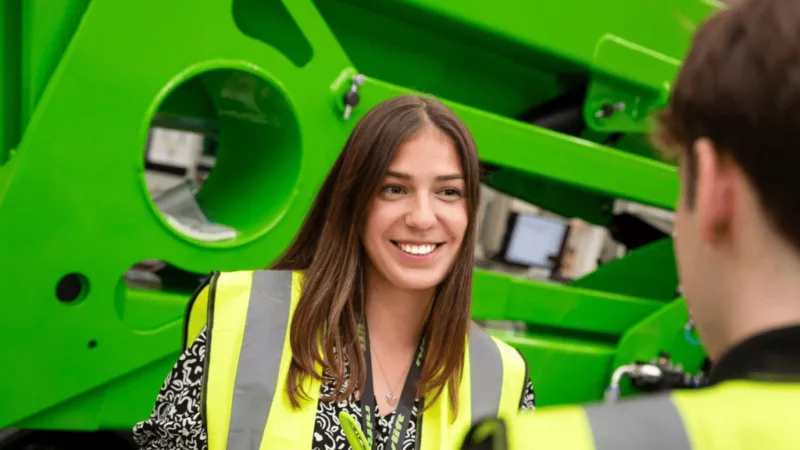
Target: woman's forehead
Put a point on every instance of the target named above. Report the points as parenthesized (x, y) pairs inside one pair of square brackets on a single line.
[(429, 154)]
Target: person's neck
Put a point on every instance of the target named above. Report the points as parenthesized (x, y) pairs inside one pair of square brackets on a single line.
[(764, 295), (395, 316)]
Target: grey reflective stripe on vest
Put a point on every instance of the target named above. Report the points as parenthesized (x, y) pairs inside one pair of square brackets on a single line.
[(486, 374), (650, 422), (260, 358)]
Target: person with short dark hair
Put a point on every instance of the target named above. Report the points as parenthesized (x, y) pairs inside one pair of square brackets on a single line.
[(733, 121)]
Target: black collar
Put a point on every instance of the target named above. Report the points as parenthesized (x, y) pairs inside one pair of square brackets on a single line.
[(772, 356)]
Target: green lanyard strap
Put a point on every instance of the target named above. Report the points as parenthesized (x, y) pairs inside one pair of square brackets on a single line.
[(368, 404)]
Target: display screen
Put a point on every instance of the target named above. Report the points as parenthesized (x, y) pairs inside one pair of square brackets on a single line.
[(535, 240)]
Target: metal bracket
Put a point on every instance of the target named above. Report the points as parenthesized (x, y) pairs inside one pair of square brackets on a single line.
[(624, 104)]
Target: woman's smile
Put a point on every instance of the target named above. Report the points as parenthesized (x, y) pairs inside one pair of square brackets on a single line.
[(417, 251)]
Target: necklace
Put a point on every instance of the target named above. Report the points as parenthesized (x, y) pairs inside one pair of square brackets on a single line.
[(390, 397)]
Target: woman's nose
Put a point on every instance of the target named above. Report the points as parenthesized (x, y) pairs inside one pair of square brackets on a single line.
[(421, 215)]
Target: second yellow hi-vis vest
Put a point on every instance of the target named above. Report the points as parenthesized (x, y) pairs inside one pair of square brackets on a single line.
[(244, 402), (734, 415)]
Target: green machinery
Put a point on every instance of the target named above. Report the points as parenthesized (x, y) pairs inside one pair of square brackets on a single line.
[(557, 94)]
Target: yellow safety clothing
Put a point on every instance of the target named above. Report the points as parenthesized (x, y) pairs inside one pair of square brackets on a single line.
[(752, 403), (244, 402), (736, 415)]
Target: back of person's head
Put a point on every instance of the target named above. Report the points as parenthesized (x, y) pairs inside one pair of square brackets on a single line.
[(733, 119), (403, 145)]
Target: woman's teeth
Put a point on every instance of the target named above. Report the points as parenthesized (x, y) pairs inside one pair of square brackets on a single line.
[(420, 250)]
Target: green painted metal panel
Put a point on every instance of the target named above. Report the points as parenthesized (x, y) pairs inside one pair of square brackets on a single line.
[(635, 274), (86, 79), (47, 27), (566, 370), (503, 297), (10, 61)]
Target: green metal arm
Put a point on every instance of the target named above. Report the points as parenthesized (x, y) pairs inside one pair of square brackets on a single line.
[(83, 86)]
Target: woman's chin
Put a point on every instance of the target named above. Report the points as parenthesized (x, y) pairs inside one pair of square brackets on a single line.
[(416, 279)]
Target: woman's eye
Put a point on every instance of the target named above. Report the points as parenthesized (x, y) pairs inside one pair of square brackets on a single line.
[(392, 190), (451, 192)]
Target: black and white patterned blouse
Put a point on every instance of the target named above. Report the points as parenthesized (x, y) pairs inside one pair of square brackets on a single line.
[(176, 424)]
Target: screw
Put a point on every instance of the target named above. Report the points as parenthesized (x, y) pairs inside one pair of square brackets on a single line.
[(609, 110), (351, 97)]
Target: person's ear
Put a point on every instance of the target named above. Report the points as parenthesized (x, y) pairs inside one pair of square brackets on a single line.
[(714, 192)]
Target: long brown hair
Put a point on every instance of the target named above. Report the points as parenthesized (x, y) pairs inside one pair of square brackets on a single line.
[(328, 249)]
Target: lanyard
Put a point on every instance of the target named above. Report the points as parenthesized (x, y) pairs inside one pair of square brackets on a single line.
[(404, 407)]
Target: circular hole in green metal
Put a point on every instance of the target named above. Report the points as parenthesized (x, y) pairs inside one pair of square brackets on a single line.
[(223, 156), (72, 288)]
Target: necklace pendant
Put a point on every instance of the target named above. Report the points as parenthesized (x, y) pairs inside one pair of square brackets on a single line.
[(391, 399)]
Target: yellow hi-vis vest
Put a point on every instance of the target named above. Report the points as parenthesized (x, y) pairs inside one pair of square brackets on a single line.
[(733, 415), (244, 402)]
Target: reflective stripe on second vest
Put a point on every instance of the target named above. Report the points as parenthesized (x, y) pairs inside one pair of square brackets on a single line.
[(650, 422), (639, 421), (245, 406)]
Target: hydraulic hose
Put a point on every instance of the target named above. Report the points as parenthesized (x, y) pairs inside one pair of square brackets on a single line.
[(643, 372)]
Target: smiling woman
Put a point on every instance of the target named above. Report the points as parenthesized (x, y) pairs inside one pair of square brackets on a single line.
[(418, 220), (361, 333)]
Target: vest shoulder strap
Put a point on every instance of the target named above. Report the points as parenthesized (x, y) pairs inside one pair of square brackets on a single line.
[(243, 399), (515, 378), (498, 374)]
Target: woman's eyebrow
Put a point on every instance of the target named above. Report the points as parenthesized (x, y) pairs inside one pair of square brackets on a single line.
[(406, 176)]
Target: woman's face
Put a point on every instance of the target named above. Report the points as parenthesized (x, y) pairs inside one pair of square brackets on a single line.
[(418, 218)]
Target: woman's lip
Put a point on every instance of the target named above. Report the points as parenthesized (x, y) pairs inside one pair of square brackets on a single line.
[(397, 241)]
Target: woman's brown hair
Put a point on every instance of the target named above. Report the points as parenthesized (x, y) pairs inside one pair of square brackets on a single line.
[(329, 251)]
